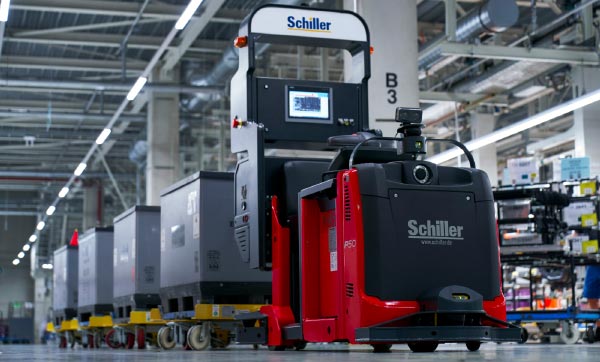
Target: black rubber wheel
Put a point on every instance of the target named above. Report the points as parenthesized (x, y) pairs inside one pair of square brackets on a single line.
[(590, 334), (473, 345), (423, 347), (277, 348), (300, 345), (524, 336), (381, 348)]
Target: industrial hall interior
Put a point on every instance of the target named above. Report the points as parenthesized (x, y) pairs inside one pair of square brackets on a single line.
[(299, 180)]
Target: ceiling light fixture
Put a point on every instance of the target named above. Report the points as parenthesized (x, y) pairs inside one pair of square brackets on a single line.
[(136, 89), (4, 5), (103, 136), (187, 14), (63, 192), (79, 170)]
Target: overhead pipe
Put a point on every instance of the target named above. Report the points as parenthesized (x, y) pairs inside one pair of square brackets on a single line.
[(493, 16)]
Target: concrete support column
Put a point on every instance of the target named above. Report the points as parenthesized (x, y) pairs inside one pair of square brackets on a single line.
[(587, 120), (92, 205), (162, 168), (394, 68), (42, 303), (485, 158)]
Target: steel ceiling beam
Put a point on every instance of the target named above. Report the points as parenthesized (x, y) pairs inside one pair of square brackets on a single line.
[(70, 64), (155, 10), (98, 7), (41, 135), (71, 116), (119, 88), (437, 97), (108, 41), (85, 27), (541, 55)]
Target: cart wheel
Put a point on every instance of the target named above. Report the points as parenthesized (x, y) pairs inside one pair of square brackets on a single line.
[(300, 345), (590, 334), (141, 338), (277, 348), (111, 339), (198, 337), (381, 348), (129, 340), (255, 347), (165, 338), (569, 333), (421, 347), (524, 335), (473, 345), (62, 342)]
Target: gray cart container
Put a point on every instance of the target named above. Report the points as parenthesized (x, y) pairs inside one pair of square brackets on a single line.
[(64, 302), (200, 262), (95, 273), (136, 260)]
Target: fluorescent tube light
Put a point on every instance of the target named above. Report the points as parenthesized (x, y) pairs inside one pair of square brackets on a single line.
[(21, 255), (50, 210), (518, 127), (41, 225), (33, 238), (79, 170), (4, 5), (26, 247), (187, 14), (63, 192), (16, 262), (103, 136), (137, 87)]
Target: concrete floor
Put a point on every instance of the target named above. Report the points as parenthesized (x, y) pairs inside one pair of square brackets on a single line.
[(313, 353)]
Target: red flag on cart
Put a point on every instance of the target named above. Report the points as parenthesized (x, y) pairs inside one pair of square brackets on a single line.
[(74, 239)]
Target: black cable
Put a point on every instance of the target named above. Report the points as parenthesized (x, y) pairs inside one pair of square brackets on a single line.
[(459, 145), (351, 162)]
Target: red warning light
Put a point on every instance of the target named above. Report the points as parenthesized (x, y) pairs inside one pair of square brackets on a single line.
[(240, 42), (237, 123)]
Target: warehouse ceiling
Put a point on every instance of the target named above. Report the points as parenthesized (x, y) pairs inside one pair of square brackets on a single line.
[(65, 66)]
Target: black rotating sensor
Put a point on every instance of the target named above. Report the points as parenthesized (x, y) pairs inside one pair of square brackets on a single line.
[(421, 174)]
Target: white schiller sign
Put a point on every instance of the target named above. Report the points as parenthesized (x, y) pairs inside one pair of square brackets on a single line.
[(308, 23)]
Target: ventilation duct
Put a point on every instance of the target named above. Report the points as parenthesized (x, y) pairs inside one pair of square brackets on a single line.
[(493, 16)]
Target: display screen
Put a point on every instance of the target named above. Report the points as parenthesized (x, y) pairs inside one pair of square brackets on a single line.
[(309, 104)]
